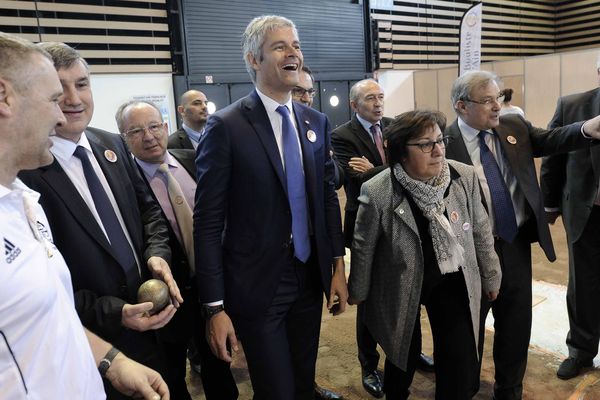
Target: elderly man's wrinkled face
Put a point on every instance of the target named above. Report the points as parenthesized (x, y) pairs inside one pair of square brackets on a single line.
[(145, 133), (369, 104), (482, 110)]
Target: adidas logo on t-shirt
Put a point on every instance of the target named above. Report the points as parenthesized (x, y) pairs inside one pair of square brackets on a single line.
[(10, 251)]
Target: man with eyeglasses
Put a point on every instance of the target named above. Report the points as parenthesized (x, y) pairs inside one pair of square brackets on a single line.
[(193, 108), (570, 186), (502, 150), (304, 92), (171, 177), (104, 221)]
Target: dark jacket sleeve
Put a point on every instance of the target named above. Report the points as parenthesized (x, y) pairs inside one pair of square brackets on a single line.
[(554, 167), (213, 169)]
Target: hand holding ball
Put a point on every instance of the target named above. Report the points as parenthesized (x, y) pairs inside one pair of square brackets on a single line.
[(155, 291)]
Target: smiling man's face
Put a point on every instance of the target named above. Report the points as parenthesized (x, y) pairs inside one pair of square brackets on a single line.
[(277, 70), (76, 103)]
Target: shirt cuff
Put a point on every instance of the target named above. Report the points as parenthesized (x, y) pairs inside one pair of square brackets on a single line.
[(551, 209), (583, 132), (214, 303)]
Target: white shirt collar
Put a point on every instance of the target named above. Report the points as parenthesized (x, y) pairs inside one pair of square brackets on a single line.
[(64, 149), (271, 105), (18, 186), (469, 133)]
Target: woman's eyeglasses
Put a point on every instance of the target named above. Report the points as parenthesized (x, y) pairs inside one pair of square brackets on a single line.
[(427, 147)]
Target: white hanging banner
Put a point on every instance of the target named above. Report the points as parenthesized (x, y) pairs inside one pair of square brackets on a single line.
[(470, 40)]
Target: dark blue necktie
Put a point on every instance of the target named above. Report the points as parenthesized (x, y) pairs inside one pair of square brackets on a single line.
[(504, 212), (118, 241), (295, 186)]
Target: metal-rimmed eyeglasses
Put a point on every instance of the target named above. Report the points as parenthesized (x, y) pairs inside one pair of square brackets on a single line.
[(486, 101), (154, 128), (427, 147), (299, 91)]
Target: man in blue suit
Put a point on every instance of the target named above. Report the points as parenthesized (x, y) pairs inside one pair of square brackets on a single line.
[(267, 223)]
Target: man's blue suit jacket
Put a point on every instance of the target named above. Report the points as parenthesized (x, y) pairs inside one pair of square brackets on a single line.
[(242, 218)]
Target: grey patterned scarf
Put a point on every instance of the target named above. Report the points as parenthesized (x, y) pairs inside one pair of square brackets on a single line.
[(429, 197)]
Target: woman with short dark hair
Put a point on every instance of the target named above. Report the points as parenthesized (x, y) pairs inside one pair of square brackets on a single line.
[(422, 236), (507, 107)]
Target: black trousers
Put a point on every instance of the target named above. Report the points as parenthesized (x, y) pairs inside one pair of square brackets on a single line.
[(453, 345), (367, 345), (583, 291), (187, 324), (281, 346), (217, 380), (512, 318)]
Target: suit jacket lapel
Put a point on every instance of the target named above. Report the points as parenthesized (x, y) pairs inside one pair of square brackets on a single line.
[(58, 180), (457, 149), (258, 118), (367, 139)]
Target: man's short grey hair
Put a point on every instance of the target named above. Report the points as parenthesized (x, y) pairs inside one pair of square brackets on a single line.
[(254, 37), (63, 55), (121, 111), (355, 89), (15, 55), (464, 85)]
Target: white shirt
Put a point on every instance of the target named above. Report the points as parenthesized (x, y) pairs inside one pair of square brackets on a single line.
[(511, 110), (63, 150), (43, 347), (277, 122), (471, 139)]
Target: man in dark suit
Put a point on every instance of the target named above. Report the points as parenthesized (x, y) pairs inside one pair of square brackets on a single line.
[(145, 133), (193, 108), (502, 150), (358, 145), (104, 221), (570, 186), (267, 221)]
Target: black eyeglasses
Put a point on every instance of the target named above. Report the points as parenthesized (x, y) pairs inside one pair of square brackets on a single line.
[(154, 129), (299, 92), (427, 147), (487, 100)]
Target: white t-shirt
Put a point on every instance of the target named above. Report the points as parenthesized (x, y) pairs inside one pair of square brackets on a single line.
[(511, 110), (44, 353)]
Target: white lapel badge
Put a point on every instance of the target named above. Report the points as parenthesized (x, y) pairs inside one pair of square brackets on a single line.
[(311, 135), (110, 156), (466, 226), (511, 139)]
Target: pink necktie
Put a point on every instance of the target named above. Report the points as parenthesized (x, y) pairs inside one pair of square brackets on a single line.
[(376, 132)]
